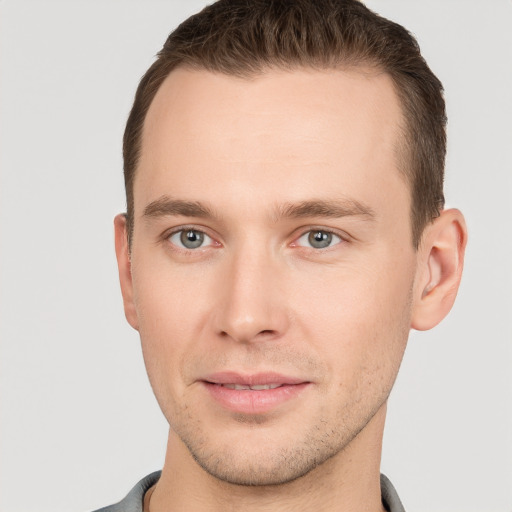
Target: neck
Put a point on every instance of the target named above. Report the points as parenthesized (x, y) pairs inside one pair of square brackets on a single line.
[(349, 481)]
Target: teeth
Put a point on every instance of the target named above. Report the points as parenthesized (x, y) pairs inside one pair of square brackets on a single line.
[(235, 386), (265, 386), (258, 387)]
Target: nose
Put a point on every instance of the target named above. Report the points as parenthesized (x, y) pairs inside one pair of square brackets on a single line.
[(252, 306)]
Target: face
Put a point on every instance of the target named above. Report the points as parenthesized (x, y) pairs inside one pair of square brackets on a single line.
[(272, 265)]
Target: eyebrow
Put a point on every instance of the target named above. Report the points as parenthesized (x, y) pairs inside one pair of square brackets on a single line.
[(165, 205), (321, 208)]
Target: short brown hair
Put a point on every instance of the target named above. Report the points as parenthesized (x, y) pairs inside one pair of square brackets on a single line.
[(244, 37)]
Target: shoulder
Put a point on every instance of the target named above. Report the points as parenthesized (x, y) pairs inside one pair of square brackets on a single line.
[(133, 502), (390, 498)]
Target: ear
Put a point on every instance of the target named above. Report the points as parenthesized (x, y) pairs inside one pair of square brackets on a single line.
[(440, 262), (125, 270)]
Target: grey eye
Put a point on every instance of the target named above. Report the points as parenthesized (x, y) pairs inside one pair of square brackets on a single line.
[(189, 238), (319, 239)]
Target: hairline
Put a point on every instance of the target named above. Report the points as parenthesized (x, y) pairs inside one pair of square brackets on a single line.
[(366, 67)]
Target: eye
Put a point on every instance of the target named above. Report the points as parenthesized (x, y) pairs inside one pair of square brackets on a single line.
[(190, 239), (319, 239)]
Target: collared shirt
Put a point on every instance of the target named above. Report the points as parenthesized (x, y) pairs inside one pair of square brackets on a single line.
[(134, 501)]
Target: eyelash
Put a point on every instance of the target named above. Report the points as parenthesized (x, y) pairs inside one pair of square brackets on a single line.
[(182, 229), (322, 230)]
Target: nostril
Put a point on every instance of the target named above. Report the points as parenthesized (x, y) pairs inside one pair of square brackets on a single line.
[(246, 337)]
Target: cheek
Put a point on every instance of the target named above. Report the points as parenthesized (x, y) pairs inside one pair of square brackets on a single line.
[(359, 320), (166, 314), (165, 297)]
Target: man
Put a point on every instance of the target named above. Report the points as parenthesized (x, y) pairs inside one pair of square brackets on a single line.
[(284, 232)]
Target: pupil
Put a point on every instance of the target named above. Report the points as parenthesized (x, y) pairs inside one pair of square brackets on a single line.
[(320, 239), (191, 239)]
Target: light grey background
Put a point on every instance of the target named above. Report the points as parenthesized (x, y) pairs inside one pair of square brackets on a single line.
[(79, 424)]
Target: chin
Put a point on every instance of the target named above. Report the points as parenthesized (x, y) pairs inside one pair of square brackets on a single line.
[(266, 458), (257, 469)]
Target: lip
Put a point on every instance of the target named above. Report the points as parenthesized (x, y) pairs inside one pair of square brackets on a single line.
[(253, 401)]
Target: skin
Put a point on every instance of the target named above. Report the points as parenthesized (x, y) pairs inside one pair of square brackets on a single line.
[(260, 155)]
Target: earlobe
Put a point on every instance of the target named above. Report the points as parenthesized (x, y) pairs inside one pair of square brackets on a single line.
[(124, 267), (441, 259)]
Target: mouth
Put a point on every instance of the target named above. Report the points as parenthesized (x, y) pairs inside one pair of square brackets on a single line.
[(257, 387), (253, 394)]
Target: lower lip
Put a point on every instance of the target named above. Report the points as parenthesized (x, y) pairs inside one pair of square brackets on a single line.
[(249, 401)]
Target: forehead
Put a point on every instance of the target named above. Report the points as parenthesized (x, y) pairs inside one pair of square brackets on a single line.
[(289, 128)]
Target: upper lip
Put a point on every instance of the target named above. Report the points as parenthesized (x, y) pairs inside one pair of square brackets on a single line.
[(255, 379)]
